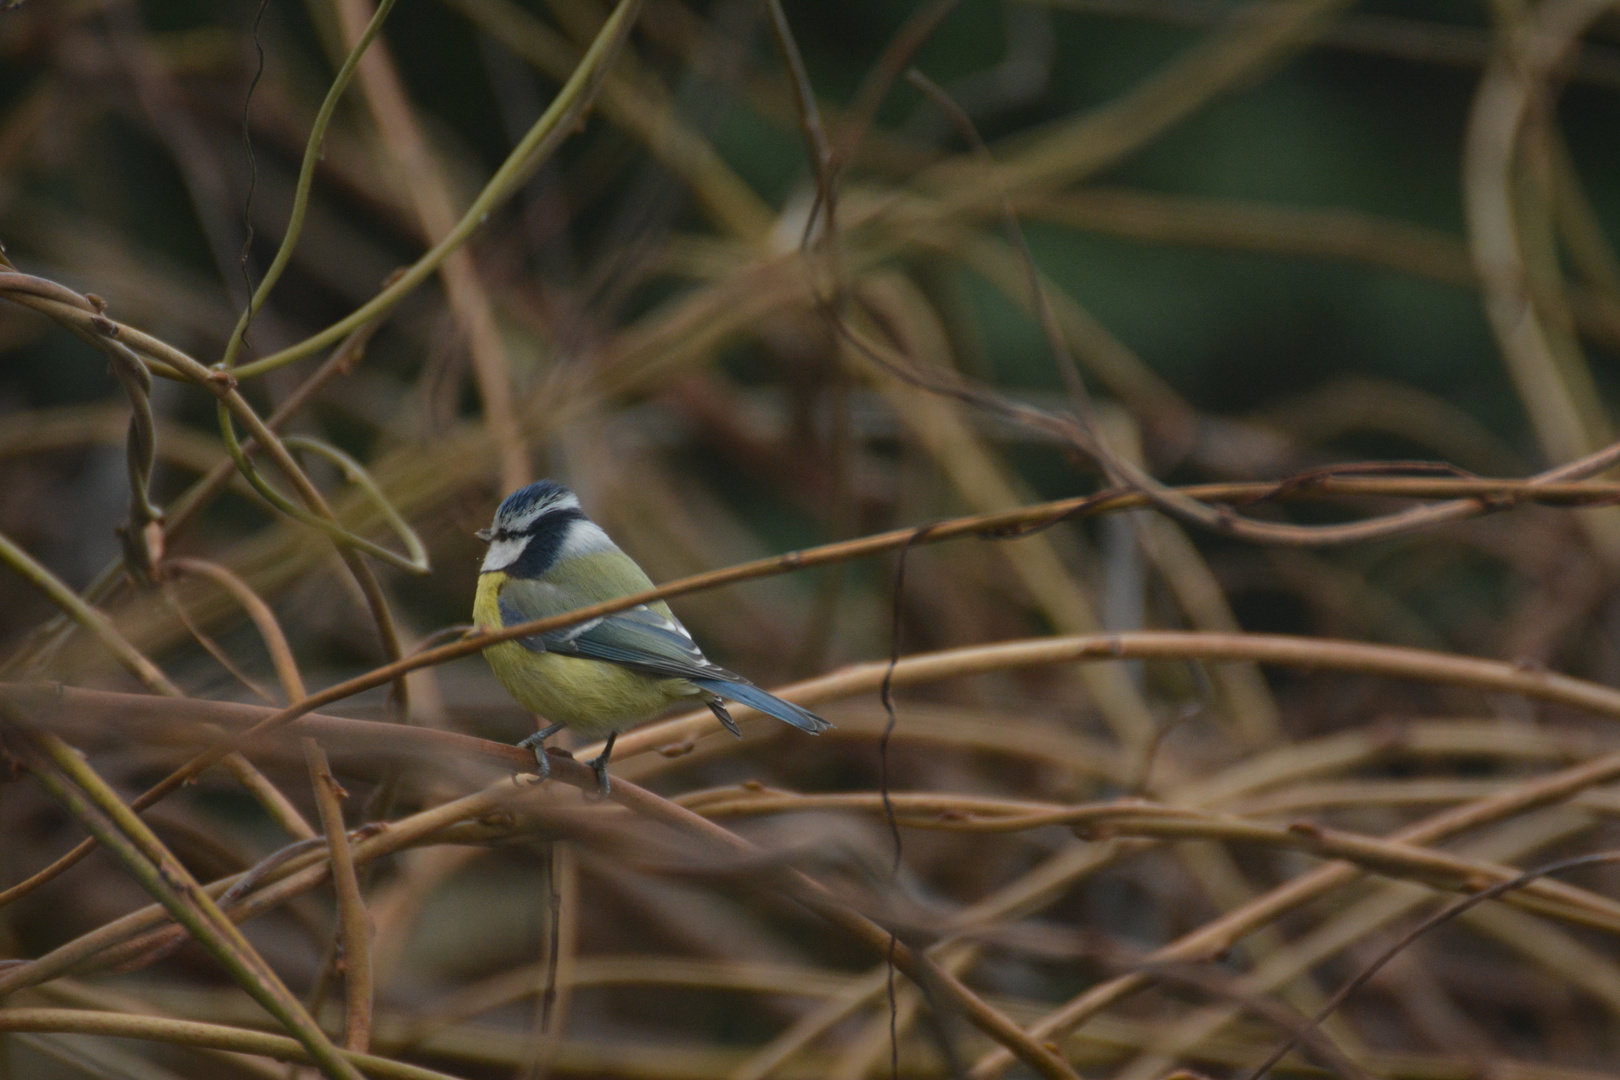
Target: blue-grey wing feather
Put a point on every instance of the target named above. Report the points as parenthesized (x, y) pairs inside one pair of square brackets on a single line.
[(640, 639), (643, 640)]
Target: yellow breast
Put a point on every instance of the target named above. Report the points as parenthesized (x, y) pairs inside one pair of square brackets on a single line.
[(590, 696)]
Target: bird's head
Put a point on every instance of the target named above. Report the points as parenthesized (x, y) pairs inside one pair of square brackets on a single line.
[(531, 527)]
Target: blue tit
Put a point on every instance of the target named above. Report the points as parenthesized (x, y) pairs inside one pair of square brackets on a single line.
[(605, 675)]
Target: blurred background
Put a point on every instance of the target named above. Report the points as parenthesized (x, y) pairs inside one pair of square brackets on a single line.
[(1275, 235)]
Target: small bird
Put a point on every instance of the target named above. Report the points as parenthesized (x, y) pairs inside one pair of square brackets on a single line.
[(604, 675)]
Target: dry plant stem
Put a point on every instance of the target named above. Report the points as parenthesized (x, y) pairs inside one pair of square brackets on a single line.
[(566, 111), (314, 512), (1468, 817), (1032, 517), (804, 102), (342, 361), (212, 483), (916, 964), (1218, 519), (874, 88), (113, 335), (862, 1054), (642, 107), (1252, 709), (306, 179), (264, 620), (141, 532), (59, 769), (1333, 936), (109, 334), (1283, 230), (1447, 913), (354, 923), (208, 1036), (1391, 857), (1251, 38), (1132, 818), (470, 306), (795, 885), (1316, 653), (289, 878), (1082, 432), (416, 556), (100, 627), (142, 668), (1220, 934), (211, 647), (1389, 661), (1515, 84), (637, 800), (556, 977), (232, 404), (1243, 789), (984, 484), (75, 310), (274, 801)]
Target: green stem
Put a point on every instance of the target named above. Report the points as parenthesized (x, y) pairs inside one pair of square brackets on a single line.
[(416, 563), (306, 177), (567, 109), (78, 787), (86, 616), (357, 475)]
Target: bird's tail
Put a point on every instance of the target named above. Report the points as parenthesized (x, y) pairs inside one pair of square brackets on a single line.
[(752, 696)]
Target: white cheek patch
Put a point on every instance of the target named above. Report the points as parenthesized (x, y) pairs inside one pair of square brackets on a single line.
[(585, 538), (503, 553)]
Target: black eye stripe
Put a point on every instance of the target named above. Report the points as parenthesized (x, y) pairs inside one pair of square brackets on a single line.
[(545, 538)]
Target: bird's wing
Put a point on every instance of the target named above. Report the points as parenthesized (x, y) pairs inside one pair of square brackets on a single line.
[(641, 638), (648, 639)]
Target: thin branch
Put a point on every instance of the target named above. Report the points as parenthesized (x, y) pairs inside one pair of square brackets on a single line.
[(1445, 914), (306, 179), (209, 1036), (561, 118), (264, 620), (100, 627), (65, 775), (355, 924)]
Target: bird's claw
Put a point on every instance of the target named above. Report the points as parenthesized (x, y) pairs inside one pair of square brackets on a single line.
[(537, 743), (604, 786)]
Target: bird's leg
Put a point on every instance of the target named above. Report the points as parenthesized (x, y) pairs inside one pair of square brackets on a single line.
[(598, 765), (537, 743)]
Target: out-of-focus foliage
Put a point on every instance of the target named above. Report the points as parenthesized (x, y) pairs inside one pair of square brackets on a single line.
[(1274, 236)]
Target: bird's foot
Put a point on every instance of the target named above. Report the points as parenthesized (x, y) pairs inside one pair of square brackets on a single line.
[(604, 786), (537, 743), (599, 763)]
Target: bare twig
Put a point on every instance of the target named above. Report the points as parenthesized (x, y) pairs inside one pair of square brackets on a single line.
[(354, 923)]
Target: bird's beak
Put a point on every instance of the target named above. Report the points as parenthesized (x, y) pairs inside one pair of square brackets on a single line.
[(484, 534)]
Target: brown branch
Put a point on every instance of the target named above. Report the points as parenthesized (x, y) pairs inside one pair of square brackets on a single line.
[(59, 769), (354, 923), (196, 1034)]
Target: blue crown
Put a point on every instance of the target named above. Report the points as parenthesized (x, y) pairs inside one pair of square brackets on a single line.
[(527, 498)]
